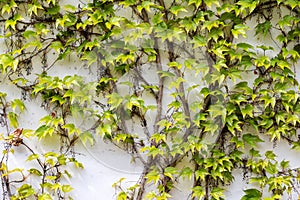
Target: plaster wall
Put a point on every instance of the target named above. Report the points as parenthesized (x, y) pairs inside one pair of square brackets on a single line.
[(105, 163)]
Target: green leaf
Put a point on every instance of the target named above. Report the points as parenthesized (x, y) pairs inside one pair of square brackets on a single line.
[(76, 163), (205, 92), (57, 46), (166, 74), (187, 172), (157, 137), (210, 24), (239, 29), (177, 82), (152, 151), (218, 110), (90, 56), (198, 192), (87, 137), (114, 100), (176, 9), (246, 5), (44, 197), (271, 168), (33, 8), (170, 172), (210, 3), (44, 131), (13, 119), (296, 146), (8, 6), (7, 60), (105, 130), (251, 139), (146, 5), (247, 110), (175, 65), (66, 188), (62, 159), (252, 194), (217, 193), (197, 4), (189, 63), (199, 41), (215, 34), (53, 10), (268, 100), (284, 164), (158, 18), (51, 154), (69, 8), (59, 99), (201, 173), (71, 129), (17, 103), (29, 33), (12, 22), (51, 178), (25, 191), (122, 196), (287, 20), (154, 176), (292, 3), (35, 171), (245, 46), (270, 155), (263, 28), (32, 157)]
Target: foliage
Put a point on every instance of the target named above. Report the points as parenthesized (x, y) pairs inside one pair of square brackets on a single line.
[(217, 96)]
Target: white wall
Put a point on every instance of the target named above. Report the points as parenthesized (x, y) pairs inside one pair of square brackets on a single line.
[(105, 163)]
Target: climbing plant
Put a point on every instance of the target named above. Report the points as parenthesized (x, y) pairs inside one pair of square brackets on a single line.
[(190, 89)]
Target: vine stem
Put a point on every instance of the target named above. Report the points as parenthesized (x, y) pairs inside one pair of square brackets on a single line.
[(5, 178), (142, 184)]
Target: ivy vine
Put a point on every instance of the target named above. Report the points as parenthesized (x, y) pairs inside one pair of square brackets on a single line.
[(178, 85)]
